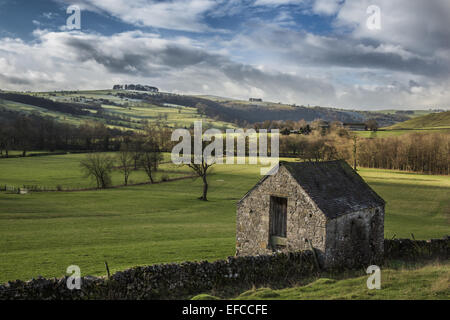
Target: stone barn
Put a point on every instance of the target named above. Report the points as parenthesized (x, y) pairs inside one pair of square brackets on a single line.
[(324, 205)]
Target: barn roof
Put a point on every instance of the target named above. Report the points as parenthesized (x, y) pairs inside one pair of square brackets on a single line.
[(333, 185)]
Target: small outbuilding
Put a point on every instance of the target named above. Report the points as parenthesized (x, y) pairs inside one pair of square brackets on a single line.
[(323, 205)]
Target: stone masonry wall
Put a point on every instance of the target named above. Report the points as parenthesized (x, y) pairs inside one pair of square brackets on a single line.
[(304, 219), (173, 281), (357, 236)]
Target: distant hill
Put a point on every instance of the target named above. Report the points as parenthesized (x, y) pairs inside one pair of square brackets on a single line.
[(432, 120), (130, 110), (247, 112)]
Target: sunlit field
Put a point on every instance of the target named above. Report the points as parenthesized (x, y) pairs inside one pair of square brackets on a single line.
[(42, 233)]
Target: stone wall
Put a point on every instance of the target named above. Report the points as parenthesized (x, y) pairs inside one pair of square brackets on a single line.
[(357, 236), (174, 281), (304, 220), (407, 249)]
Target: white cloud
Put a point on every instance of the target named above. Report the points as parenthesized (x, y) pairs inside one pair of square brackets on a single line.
[(277, 2), (326, 7), (76, 60), (405, 64), (186, 15)]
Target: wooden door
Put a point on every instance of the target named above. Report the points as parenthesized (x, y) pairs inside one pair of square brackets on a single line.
[(278, 216)]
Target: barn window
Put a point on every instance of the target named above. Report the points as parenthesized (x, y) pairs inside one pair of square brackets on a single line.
[(278, 216)]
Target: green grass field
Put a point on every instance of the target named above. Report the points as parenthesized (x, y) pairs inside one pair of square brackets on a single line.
[(64, 170), (43, 233), (430, 281)]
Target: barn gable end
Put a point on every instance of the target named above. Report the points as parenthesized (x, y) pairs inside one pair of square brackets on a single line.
[(326, 205)]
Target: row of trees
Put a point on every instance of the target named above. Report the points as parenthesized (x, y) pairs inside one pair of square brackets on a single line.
[(317, 146), (132, 156), (33, 132), (419, 152)]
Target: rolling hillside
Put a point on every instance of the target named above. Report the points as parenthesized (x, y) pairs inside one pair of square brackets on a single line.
[(432, 120), (130, 110)]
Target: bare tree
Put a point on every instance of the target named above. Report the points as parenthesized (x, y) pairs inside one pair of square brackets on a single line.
[(99, 167), (201, 169), (372, 125), (136, 149), (5, 140), (126, 162), (150, 158)]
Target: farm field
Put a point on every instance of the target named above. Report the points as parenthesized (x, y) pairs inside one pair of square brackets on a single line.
[(130, 113), (43, 233), (64, 171)]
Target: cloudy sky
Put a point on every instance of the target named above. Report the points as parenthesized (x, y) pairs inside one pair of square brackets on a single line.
[(317, 52)]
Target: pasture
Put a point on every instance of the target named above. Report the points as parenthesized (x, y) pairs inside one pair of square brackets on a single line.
[(43, 233), (50, 172)]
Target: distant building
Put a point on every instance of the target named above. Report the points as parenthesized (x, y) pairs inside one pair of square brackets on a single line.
[(255, 100), (324, 205)]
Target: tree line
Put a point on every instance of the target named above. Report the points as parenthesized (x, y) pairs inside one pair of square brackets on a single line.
[(418, 152), (33, 132)]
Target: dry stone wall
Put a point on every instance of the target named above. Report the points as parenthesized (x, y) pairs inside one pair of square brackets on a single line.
[(236, 274), (304, 220)]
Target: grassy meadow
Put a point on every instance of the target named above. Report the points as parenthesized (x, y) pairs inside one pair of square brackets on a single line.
[(64, 171), (44, 232)]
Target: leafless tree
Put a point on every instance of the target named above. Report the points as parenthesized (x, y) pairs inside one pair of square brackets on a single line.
[(372, 125), (150, 158), (99, 167), (126, 162), (136, 149), (201, 169)]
